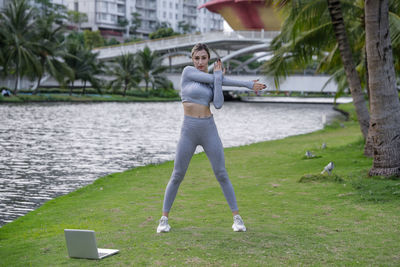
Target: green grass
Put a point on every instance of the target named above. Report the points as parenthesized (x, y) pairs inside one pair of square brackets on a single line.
[(77, 98), (344, 220)]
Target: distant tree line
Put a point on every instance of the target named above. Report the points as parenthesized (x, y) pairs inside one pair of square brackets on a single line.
[(36, 44)]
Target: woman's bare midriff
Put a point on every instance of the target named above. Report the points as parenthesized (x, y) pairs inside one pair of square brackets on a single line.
[(196, 110)]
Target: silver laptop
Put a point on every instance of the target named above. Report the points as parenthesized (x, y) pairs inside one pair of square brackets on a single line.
[(82, 244)]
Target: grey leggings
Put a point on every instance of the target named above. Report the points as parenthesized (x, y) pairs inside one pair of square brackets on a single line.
[(194, 132)]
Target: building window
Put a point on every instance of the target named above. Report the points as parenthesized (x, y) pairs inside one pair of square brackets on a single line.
[(170, 15), (164, 14), (176, 16), (76, 6), (170, 4), (112, 7), (164, 4)]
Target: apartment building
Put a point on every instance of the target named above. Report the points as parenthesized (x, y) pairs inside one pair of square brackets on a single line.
[(105, 15), (3, 3)]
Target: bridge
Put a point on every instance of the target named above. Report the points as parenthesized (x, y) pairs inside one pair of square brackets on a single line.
[(175, 51)]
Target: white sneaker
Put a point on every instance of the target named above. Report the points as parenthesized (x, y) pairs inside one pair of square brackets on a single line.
[(238, 224), (163, 226)]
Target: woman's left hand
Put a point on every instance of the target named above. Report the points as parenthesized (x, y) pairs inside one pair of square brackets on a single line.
[(218, 66), (258, 86)]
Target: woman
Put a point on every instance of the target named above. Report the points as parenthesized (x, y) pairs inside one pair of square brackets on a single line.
[(199, 89)]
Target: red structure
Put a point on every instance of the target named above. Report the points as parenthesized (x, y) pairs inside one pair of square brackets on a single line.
[(246, 14)]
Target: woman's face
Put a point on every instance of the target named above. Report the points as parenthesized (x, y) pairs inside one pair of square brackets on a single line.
[(200, 60)]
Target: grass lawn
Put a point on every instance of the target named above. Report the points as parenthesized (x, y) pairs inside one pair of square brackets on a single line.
[(342, 220), (21, 98)]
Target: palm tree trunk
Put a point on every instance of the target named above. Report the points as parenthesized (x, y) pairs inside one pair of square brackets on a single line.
[(37, 86), (347, 58), (368, 148), (84, 88), (70, 88), (125, 87), (16, 81), (384, 101)]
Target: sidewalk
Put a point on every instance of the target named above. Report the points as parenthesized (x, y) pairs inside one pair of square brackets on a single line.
[(297, 100)]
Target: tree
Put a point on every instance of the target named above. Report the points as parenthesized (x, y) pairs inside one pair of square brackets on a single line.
[(50, 51), (46, 8), (150, 69), (348, 63), (125, 72), (307, 37), (385, 106), (111, 41), (162, 33), (93, 39), (136, 22), (77, 17), (184, 27), (91, 67), (123, 22), (76, 37), (84, 64), (20, 46)]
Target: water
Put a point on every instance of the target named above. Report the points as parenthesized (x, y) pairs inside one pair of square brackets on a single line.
[(48, 150)]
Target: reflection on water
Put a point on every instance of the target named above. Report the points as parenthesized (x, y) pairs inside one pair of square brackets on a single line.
[(47, 150)]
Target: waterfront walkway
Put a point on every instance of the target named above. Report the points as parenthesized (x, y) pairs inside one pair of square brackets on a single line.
[(297, 100)]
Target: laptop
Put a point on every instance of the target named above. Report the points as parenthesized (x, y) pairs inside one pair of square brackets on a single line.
[(82, 244)]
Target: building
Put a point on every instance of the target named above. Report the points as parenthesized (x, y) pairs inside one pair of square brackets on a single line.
[(3, 3), (108, 15)]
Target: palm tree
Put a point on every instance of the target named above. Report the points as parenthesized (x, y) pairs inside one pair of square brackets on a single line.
[(125, 72), (385, 106), (353, 79), (91, 67), (307, 32), (73, 59), (84, 64), (51, 51), (3, 65), (20, 46), (150, 69)]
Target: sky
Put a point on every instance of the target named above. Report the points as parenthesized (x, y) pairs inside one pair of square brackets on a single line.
[(227, 28)]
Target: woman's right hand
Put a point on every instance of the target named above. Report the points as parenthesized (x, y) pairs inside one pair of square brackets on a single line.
[(258, 86)]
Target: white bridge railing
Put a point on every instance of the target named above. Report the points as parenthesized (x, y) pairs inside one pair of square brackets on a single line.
[(185, 41)]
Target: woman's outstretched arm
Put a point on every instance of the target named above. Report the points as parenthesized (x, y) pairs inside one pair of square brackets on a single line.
[(193, 74), (231, 82)]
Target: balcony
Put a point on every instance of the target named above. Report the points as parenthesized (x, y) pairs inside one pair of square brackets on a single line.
[(192, 3), (121, 9)]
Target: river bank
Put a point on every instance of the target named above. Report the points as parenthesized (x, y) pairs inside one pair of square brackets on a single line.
[(344, 219), (82, 98)]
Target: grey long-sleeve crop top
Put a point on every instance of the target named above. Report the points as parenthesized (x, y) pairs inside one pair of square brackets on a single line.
[(202, 88)]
